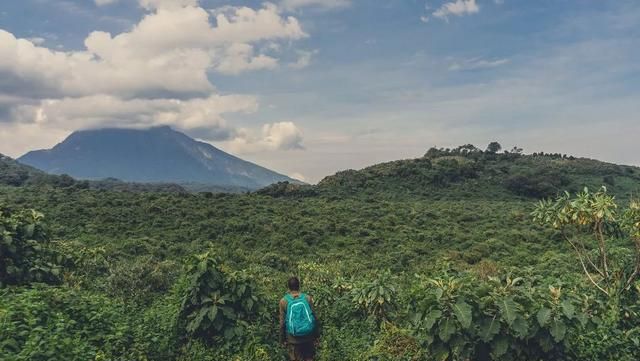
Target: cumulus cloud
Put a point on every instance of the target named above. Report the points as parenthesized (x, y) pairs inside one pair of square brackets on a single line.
[(169, 51), (157, 73), (240, 57), (276, 136), (457, 8), (107, 110), (327, 4)]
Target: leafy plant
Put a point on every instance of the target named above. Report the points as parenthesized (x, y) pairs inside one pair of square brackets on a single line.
[(24, 253), (376, 298), (595, 215), (217, 304)]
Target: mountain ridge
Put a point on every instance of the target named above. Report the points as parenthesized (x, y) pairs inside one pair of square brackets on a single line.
[(158, 154)]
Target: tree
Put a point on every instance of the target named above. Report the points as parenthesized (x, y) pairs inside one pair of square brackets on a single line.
[(595, 218), (494, 147), (466, 149), (516, 150)]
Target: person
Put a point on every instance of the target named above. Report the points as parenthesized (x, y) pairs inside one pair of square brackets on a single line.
[(299, 348)]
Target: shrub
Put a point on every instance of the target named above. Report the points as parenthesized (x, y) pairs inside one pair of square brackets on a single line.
[(377, 298), (217, 304), (140, 278), (460, 317), (48, 324), (25, 255)]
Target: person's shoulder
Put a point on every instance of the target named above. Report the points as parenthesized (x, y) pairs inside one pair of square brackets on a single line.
[(309, 298)]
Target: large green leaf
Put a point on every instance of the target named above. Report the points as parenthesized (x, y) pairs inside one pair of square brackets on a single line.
[(568, 309), (558, 329), (508, 309), (543, 316), (431, 318), (499, 347), (462, 310), (489, 328), (447, 329), (520, 327)]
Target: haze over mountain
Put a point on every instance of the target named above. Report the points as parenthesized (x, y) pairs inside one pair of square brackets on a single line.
[(158, 154)]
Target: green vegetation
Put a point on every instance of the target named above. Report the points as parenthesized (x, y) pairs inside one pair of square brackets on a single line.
[(445, 257)]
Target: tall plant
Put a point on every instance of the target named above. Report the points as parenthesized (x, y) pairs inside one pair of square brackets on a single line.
[(589, 222), (217, 303)]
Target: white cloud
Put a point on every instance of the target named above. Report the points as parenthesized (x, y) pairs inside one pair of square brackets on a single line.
[(243, 24), (477, 64), (169, 51), (276, 136), (457, 8), (37, 40), (157, 73), (327, 4), (240, 57), (106, 110)]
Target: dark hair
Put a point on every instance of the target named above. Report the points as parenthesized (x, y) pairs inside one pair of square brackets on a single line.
[(294, 284)]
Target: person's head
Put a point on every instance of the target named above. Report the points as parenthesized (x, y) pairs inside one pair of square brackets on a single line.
[(293, 284)]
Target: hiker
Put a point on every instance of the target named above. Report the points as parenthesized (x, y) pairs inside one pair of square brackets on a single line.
[(299, 328)]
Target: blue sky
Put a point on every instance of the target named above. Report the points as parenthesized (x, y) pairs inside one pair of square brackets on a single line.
[(310, 87)]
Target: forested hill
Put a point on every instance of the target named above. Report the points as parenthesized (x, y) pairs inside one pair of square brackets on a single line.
[(467, 171), (14, 173)]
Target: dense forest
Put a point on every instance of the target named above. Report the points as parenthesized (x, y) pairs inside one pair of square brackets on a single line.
[(462, 254)]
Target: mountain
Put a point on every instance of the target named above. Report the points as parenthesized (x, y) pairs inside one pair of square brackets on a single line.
[(158, 154)]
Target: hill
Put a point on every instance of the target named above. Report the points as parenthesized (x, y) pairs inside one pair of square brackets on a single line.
[(468, 172), (13, 173), (158, 154)]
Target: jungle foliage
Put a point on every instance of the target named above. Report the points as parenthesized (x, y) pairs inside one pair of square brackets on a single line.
[(446, 257)]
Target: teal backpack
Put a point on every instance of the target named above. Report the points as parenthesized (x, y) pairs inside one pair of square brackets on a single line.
[(300, 319)]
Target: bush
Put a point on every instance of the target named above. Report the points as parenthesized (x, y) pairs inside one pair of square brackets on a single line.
[(139, 279), (217, 304), (460, 317), (25, 255), (48, 324)]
